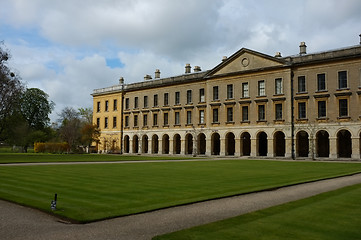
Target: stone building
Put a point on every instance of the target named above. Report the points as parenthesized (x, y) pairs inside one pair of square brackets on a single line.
[(250, 104)]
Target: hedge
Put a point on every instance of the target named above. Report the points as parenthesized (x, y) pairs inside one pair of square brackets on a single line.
[(51, 147)]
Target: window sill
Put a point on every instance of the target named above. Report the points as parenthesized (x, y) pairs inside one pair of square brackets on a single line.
[(299, 93), (176, 125), (344, 118), (279, 121), (189, 125), (245, 121), (230, 123), (322, 119), (261, 121)]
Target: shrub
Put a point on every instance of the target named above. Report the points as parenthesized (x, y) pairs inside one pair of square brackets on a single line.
[(51, 147)]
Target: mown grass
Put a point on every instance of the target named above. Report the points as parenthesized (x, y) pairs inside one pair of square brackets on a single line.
[(98, 191), (43, 157), (329, 216)]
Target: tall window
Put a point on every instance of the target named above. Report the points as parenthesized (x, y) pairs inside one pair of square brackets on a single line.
[(245, 91), (278, 111), (114, 122), (189, 96), (136, 102), (135, 120), (343, 107), (301, 110), (215, 93), (145, 102), (176, 118), (98, 106), (301, 84), (126, 121), (166, 99), (106, 105), (155, 119), (145, 120), (189, 117), (165, 119), (201, 95), (321, 82), (201, 116), (342, 79), (155, 100), (115, 105), (245, 113), (105, 122), (230, 91), (177, 98), (230, 114), (215, 115), (321, 109), (261, 113), (127, 103), (278, 86), (98, 122), (261, 88)]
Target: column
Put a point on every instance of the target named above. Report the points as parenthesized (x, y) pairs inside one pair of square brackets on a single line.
[(208, 146), (312, 148), (270, 150), (288, 143), (171, 148), (160, 146), (237, 147), (223, 146), (355, 148), (183, 146), (333, 147), (150, 146), (253, 147), (130, 145)]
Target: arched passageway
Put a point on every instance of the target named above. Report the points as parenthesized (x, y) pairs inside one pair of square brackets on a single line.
[(126, 144), (135, 144), (262, 145), (216, 144), (155, 144), (279, 144), (189, 144), (145, 144), (322, 144), (230, 144), (302, 143), (344, 144), (165, 144), (245, 144), (177, 144), (201, 145)]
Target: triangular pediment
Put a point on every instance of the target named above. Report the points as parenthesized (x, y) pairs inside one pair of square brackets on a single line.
[(246, 60)]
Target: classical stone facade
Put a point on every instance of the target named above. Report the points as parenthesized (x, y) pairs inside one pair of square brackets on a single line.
[(251, 105)]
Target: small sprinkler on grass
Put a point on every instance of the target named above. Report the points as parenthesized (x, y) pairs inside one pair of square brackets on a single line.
[(53, 202)]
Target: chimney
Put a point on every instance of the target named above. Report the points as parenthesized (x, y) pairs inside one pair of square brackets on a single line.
[(197, 69), (360, 38), (224, 58), (303, 48), (147, 77), (278, 55), (157, 74), (121, 80), (188, 68)]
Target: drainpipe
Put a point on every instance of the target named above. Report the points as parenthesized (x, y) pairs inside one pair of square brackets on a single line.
[(292, 117), (121, 81)]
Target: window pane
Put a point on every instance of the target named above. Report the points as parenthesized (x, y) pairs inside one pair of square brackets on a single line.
[(177, 98), (261, 88), (189, 96), (189, 117), (229, 114), (166, 101), (301, 84), (261, 112), (115, 105), (215, 93), (342, 79), (145, 101), (201, 95), (278, 86), (343, 108), (114, 122), (321, 109), (215, 115), (229, 91), (321, 82), (135, 120), (245, 92), (155, 100), (165, 119), (176, 119), (245, 113), (302, 110), (155, 119), (278, 111), (136, 102), (106, 105), (201, 116)]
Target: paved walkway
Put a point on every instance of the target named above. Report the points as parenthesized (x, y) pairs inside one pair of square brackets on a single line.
[(17, 222)]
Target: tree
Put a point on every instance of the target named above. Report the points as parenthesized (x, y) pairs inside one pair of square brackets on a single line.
[(89, 133), (86, 114), (70, 125), (11, 89)]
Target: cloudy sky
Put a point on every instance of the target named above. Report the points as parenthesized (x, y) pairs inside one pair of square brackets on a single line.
[(67, 48)]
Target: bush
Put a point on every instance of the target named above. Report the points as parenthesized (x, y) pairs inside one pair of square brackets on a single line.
[(51, 147)]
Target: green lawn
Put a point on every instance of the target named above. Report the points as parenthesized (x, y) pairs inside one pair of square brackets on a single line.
[(329, 216), (43, 157), (97, 191)]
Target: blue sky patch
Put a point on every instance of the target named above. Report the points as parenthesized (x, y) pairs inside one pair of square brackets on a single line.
[(114, 63)]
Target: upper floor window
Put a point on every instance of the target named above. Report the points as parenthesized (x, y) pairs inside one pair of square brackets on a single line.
[(245, 113), (321, 82), (145, 120), (135, 120), (145, 102), (98, 122), (245, 91), (201, 95), (176, 118), (215, 93), (155, 119), (261, 113), (166, 99), (98, 106), (278, 86), (114, 122), (127, 103), (126, 121), (230, 114), (201, 116), (177, 98), (115, 105), (261, 88), (136, 102), (342, 80), (189, 117), (230, 91), (279, 111), (301, 110), (165, 119), (215, 115), (105, 122), (155, 100), (343, 108), (106, 105), (189, 96), (321, 106), (301, 84)]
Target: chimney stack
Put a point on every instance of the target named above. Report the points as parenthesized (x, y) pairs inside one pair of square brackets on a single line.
[(188, 68), (197, 69), (157, 74), (278, 54), (224, 58), (303, 48), (121, 80), (360, 38), (147, 77)]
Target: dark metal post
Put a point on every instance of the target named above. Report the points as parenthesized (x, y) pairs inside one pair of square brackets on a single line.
[(292, 117)]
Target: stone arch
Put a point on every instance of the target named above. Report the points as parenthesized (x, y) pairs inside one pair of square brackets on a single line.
[(322, 144), (189, 144), (155, 144), (165, 144), (302, 144), (201, 144), (262, 145), (177, 144), (216, 144), (145, 144), (344, 144), (126, 144), (245, 144), (230, 144), (135, 144), (279, 144)]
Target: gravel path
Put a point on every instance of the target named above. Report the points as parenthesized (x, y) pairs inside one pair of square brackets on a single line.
[(17, 222)]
